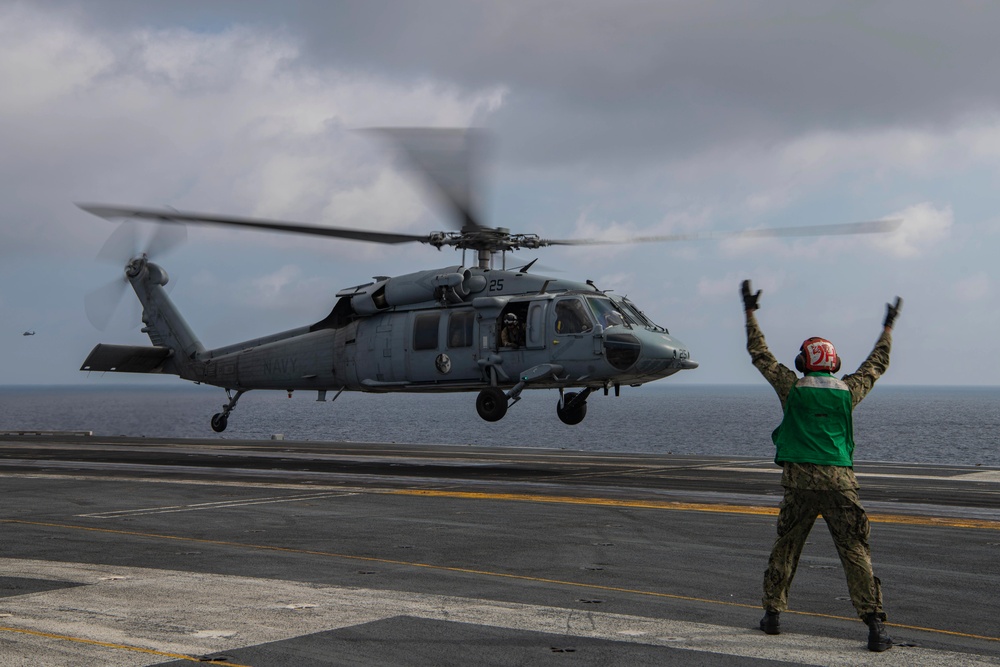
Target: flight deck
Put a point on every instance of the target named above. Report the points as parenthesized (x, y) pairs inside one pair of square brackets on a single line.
[(125, 551)]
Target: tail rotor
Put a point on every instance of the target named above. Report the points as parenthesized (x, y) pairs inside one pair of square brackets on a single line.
[(123, 250)]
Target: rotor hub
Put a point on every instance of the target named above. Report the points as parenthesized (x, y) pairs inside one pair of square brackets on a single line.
[(135, 266)]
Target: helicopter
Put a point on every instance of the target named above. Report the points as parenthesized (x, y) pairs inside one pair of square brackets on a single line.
[(30, 332), (461, 328)]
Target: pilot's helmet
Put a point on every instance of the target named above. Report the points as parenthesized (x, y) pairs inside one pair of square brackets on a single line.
[(510, 318)]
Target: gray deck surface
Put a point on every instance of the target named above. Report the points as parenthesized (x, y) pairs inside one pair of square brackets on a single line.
[(117, 551)]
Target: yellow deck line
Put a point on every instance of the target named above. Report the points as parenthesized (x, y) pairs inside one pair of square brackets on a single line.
[(722, 508)]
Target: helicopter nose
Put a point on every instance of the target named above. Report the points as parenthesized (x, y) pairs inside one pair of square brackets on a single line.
[(649, 354), (678, 352), (666, 355)]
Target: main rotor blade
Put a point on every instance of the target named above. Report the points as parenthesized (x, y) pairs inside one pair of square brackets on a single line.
[(449, 158), (869, 227), (110, 211)]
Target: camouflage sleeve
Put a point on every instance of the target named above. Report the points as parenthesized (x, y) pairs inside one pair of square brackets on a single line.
[(779, 376), (862, 380)]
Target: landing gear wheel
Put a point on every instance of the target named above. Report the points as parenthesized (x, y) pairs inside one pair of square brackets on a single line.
[(219, 422), (491, 404), (574, 415)]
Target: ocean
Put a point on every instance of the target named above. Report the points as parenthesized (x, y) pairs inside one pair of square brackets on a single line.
[(953, 425)]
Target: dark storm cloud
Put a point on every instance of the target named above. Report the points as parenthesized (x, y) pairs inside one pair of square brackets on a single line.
[(633, 78)]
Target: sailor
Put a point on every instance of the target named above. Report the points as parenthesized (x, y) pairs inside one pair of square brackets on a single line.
[(512, 333), (815, 447)]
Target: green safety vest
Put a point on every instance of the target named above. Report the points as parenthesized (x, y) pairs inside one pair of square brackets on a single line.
[(818, 426)]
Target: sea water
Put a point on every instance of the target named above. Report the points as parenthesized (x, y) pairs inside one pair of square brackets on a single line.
[(951, 425)]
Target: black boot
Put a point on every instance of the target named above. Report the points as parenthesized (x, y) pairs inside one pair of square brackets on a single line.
[(770, 623), (878, 639)]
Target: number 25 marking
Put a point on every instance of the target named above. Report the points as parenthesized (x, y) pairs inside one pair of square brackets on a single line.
[(496, 285)]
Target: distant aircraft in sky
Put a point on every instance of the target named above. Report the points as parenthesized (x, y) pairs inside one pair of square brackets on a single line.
[(28, 333)]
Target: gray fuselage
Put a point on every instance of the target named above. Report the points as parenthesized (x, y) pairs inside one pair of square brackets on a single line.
[(441, 331)]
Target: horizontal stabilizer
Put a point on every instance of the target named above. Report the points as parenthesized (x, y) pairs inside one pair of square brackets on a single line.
[(126, 358)]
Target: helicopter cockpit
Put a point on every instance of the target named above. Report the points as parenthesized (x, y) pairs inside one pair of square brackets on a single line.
[(572, 317), (641, 316), (573, 314), (606, 311), (628, 313)]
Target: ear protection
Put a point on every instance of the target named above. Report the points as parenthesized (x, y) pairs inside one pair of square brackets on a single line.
[(817, 354)]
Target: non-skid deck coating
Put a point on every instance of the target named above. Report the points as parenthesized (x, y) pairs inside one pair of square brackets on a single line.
[(119, 551)]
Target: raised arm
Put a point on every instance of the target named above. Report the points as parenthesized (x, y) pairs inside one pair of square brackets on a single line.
[(862, 380), (778, 375)]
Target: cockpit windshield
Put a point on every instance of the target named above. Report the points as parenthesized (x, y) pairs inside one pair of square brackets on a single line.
[(633, 315), (605, 312)]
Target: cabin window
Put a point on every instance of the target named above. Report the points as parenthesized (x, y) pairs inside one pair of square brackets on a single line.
[(536, 325), (571, 317), (460, 328), (425, 331)]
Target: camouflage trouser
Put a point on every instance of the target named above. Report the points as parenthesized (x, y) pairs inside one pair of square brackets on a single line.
[(848, 526)]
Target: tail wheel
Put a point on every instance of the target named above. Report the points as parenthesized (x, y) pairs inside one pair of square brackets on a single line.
[(491, 404), (574, 415), (219, 422)]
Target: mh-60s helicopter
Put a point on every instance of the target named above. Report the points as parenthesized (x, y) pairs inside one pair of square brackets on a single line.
[(454, 329)]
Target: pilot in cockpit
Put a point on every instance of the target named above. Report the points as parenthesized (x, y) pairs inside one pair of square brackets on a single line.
[(571, 318)]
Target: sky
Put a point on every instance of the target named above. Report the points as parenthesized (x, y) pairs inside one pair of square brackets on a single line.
[(606, 119)]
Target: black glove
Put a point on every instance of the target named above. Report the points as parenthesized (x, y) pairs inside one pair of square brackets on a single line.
[(749, 300), (891, 311)]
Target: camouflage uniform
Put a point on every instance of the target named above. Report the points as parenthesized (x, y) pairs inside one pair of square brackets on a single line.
[(512, 335), (812, 489)]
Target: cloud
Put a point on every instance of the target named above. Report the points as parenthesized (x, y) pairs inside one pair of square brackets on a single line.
[(715, 288), (619, 282), (274, 289), (611, 232), (640, 78), (759, 181), (728, 286), (924, 226), (287, 290), (379, 204), (44, 59), (974, 288), (806, 179), (231, 121)]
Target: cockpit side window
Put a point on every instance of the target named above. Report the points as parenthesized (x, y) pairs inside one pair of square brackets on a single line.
[(572, 317)]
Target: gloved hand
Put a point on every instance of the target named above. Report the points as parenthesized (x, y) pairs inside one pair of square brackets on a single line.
[(891, 311), (749, 300)]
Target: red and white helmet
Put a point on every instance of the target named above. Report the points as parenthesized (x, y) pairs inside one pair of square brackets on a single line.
[(817, 355)]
